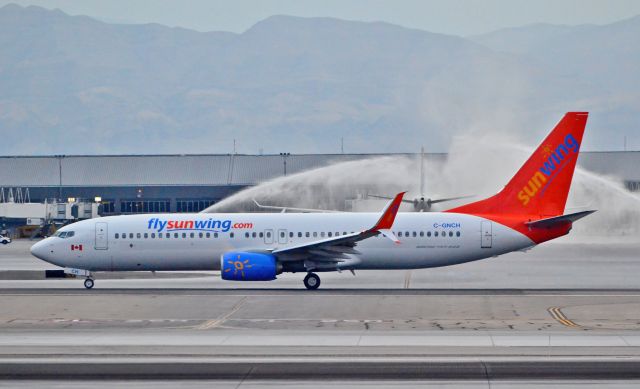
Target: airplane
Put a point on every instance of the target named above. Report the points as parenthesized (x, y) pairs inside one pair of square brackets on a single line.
[(528, 211), (421, 203)]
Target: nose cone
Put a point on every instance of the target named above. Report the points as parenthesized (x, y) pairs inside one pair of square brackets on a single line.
[(39, 250)]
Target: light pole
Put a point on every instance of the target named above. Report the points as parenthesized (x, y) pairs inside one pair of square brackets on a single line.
[(284, 161)]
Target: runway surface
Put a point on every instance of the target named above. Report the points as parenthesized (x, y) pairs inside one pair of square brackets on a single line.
[(565, 312)]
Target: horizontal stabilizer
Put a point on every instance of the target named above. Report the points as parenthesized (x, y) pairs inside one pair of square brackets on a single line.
[(556, 220)]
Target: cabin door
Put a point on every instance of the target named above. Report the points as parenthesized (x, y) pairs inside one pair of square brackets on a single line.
[(102, 237)]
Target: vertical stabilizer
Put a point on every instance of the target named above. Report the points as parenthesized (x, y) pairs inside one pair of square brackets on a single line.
[(541, 186)]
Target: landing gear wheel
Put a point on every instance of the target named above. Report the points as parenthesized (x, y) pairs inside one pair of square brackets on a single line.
[(88, 283), (312, 281)]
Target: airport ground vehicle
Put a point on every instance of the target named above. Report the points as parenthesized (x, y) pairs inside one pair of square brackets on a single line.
[(529, 210), (5, 239)]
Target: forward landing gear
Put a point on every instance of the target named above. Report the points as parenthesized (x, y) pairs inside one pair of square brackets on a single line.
[(312, 281), (88, 283)]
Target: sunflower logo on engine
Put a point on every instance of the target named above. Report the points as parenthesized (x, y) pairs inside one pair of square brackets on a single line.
[(239, 265)]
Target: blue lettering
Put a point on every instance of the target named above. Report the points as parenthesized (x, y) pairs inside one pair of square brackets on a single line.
[(201, 224), (226, 225), (572, 143), (548, 167)]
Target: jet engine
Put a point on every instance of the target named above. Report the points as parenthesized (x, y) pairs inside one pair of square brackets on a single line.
[(245, 266)]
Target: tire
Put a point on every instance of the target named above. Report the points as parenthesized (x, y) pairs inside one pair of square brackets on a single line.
[(5, 242), (312, 281), (88, 283)]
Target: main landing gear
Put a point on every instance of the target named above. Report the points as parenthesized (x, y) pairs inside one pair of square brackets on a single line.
[(88, 283), (312, 281)]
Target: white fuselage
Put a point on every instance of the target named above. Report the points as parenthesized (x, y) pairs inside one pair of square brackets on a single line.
[(140, 242)]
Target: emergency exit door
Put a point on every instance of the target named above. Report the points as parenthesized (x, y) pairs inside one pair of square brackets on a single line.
[(486, 236), (102, 241), (282, 236)]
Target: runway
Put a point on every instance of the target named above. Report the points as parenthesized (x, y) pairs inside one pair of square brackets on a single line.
[(553, 314)]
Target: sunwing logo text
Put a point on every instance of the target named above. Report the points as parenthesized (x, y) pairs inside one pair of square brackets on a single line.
[(555, 162), (211, 225)]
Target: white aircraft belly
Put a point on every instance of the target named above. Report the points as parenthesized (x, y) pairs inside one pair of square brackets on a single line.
[(376, 253)]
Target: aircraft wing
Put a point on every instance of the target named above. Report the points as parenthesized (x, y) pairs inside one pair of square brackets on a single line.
[(449, 199), (285, 209), (388, 198), (435, 201), (335, 248)]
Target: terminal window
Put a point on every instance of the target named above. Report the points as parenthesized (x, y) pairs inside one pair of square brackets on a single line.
[(146, 206), (193, 205), (633, 186), (108, 207)]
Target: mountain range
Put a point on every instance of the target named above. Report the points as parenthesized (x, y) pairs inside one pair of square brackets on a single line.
[(75, 85)]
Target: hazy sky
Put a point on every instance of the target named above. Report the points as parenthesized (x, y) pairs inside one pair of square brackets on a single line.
[(459, 17)]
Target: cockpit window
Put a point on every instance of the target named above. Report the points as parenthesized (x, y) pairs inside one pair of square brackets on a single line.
[(64, 234)]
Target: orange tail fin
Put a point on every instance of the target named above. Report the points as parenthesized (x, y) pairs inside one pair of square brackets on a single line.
[(541, 186)]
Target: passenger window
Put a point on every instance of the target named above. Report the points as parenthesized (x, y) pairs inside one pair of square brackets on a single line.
[(299, 234), (146, 235), (168, 235), (329, 234), (290, 234), (261, 234), (435, 234), (315, 234), (421, 233), (131, 235), (231, 235), (268, 234), (175, 235), (184, 235), (153, 235), (307, 234), (138, 235), (200, 235), (429, 234), (208, 235), (322, 234), (192, 235), (414, 234), (215, 234), (246, 235), (450, 233), (282, 234), (344, 233), (457, 233), (253, 234), (117, 235)]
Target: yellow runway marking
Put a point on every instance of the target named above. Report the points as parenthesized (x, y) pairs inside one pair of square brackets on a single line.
[(557, 314), (216, 322)]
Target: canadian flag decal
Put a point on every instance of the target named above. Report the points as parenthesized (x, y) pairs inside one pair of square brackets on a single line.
[(76, 247)]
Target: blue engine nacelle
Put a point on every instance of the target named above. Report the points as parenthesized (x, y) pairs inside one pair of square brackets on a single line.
[(244, 266)]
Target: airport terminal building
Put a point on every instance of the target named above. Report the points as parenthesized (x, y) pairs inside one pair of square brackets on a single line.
[(126, 184)]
